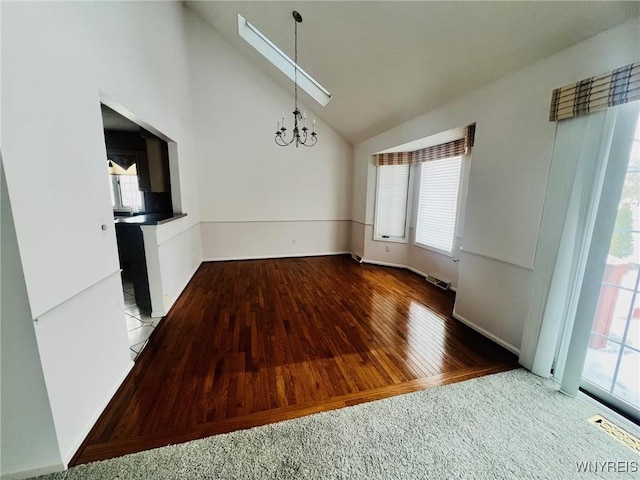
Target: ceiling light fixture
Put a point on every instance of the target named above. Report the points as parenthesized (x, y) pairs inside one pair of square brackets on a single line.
[(300, 136)]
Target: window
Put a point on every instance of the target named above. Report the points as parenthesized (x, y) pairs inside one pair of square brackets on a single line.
[(125, 193), (393, 189), (438, 204)]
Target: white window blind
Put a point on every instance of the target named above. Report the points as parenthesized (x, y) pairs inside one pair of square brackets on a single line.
[(438, 203), (393, 188)]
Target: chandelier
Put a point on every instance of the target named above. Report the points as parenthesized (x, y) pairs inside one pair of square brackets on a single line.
[(300, 136)]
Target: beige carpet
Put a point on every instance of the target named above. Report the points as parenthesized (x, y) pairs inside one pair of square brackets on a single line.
[(511, 425)]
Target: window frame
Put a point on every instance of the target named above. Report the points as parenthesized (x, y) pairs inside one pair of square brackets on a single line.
[(405, 238)]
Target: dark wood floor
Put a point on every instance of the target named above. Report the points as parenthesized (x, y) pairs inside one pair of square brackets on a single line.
[(254, 342)]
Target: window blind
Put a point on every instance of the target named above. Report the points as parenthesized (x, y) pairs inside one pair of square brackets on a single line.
[(393, 188), (438, 203), (596, 93)]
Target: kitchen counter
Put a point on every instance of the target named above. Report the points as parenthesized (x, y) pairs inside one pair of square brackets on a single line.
[(148, 219)]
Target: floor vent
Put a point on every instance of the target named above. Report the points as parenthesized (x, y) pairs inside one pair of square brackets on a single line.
[(437, 282), (357, 258), (616, 432)]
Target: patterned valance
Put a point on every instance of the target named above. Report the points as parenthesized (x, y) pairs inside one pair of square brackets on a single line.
[(454, 148), (596, 93), (395, 158)]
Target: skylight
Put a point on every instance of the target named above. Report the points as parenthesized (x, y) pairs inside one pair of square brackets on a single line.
[(280, 60)]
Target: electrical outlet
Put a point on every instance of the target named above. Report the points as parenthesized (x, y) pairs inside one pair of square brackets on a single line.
[(386, 248)]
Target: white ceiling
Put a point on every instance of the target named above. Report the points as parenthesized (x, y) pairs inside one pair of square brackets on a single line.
[(387, 62)]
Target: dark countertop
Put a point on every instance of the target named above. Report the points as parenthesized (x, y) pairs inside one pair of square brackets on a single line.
[(148, 219)]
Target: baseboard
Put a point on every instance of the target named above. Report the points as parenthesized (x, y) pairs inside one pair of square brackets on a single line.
[(66, 458), (266, 257), (416, 271), (384, 264), (406, 267), (156, 314), (33, 472), (486, 333)]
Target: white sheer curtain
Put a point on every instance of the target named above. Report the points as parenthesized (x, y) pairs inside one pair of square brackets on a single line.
[(583, 182)]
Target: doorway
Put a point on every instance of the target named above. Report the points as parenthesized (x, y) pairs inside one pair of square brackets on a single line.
[(139, 178)]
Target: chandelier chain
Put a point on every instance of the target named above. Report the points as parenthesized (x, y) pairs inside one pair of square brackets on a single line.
[(295, 66), (300, 133)]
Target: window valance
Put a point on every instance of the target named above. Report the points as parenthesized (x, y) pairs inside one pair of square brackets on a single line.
[(395, 158), (596, 93), (454, 148)]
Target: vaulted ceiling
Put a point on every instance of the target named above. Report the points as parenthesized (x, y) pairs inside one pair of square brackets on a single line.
[(387, 62)]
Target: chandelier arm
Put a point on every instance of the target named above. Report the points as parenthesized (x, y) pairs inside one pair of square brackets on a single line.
[(315, 140), (283, 140)]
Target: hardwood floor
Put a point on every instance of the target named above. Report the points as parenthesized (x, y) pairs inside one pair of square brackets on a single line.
[(255, 342)]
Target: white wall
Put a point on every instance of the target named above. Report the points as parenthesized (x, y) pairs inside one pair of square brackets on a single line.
[(81, 345), (279, 195), (58, 61), (509, 167), (27, 436), (239, 240), (173, 256)]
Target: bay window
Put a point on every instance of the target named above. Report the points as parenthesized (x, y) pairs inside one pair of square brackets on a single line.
[(434, 195)]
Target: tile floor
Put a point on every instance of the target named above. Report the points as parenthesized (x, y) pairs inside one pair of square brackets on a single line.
[(140, 325)]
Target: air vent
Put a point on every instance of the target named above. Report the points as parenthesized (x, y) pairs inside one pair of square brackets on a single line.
[(616, 432), (357, 258), (437, 282)]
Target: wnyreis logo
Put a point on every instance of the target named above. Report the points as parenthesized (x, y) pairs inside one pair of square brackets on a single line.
[(607, 467)]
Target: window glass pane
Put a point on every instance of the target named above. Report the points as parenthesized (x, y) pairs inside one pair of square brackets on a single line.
[(393, 187), (611, 314), (130, 193), (627, 386), (633, 334), (600, 364), (621, 273), (438, 203)]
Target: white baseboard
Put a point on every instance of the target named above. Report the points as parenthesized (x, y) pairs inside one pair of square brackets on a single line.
[(266, 257), (406, 267), (486, 333), (66, 458), (33, 472), (416, 271), (384, 264), (160, 314)]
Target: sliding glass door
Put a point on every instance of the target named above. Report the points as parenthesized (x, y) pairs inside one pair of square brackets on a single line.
[(612, 364)]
